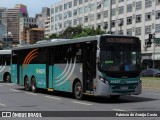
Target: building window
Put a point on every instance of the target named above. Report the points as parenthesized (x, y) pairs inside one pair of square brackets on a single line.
[(113, 2), (113, 12), (70, 23), (52, 11), (56, 18), (92, 7), (105, 14), (98, 16), (98, 5), (92, 17), (75, 22), (85, 0), (138, 18), (129, 8), (148, 3), (86, 9), (65, 15), (70, 14), (60, 8), (113, 23), (80, 2), (75, 12), (80, 20), (60, 16), (70, 5), (129, 32), (80, 10), (121, 10), (138, 31), (157, 28), (129, 20), (121, 1), (86, 19), (56, 9), (148, 29), (120, 32), (148, 16), (75, 2), (158, 14), (139, 5), (65, 6), (105, 3)]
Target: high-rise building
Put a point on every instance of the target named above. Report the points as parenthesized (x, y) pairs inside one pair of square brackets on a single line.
[(2, 24), (34, 35), (128, 17), (12, 17), (47, 28), (24, 24), (42, 17)]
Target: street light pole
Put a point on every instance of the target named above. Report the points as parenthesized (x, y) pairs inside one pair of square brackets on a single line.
[(153, 52)]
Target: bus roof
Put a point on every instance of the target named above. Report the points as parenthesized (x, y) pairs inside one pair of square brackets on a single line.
[(54, 42), (3, 52)]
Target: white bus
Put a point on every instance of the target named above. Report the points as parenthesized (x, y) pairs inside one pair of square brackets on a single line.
[(5, 62)]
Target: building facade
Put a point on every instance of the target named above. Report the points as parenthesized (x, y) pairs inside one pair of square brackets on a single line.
[(47, 28), (2, 24), (12, 17), (24, 24), (128, 17), (34, 35), (42, 17)]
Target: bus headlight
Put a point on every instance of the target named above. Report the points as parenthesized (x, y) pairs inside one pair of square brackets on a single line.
[(103, 80)]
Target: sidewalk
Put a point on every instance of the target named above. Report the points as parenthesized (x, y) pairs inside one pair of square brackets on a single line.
[(151, 82)]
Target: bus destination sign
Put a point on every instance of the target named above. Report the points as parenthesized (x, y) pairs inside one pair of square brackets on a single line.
[(118, 40)]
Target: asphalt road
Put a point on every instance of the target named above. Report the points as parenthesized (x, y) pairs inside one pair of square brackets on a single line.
[(15, 98)]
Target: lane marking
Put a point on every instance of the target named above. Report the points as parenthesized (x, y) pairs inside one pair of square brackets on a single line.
[(152, 93), (15, 90), (56, 98), (1, 85), (31, 93), (81, 103), (9, 84), (3, 105), (118, 110)]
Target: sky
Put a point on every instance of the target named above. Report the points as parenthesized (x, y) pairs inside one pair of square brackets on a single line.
[(33, 6)]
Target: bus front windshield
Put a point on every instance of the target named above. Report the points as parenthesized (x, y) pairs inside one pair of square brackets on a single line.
[(116, 58)]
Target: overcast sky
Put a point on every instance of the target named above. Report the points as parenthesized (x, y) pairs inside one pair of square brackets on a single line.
[(33, 6)]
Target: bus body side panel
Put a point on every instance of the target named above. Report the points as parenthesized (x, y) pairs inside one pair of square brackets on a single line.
[(65, 74), (3, 70), (35, 70), (14, 73), (50, 84), (40, 74)]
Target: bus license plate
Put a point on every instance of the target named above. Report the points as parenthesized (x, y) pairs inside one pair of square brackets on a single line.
[(124, 88)]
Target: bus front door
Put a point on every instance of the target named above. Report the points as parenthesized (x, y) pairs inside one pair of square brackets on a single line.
[(88, 51)]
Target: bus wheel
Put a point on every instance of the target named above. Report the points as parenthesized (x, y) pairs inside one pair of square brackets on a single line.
[(26, 84), (7, 78), (78, 90), (114, 97), (33, 85)]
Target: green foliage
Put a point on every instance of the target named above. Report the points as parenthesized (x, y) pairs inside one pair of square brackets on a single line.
[(76, 32)]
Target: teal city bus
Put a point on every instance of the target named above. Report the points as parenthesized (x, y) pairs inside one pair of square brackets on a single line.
[(102, 65), (5, 63)]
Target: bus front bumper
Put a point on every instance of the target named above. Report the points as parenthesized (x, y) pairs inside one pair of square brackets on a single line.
[(103, 89)]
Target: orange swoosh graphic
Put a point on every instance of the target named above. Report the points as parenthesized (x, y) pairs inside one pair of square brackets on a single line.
[(29, 55), (32, 58)]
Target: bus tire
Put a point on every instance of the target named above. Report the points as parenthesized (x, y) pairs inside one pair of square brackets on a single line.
[(7, 78), (26, 84), (78, 90), (33, 85), (114, 97)]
